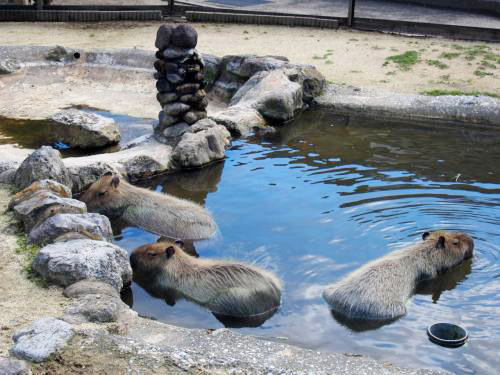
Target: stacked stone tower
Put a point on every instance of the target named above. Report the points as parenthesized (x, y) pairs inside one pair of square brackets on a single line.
[(180, 81)]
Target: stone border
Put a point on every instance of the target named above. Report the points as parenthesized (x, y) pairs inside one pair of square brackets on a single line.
[(29, 15)]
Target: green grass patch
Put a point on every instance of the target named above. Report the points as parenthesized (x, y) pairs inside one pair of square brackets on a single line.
[(439, 92), (449, 55), (29, 252), (482, 73), (487, 64), (437, 64), (405, 60)]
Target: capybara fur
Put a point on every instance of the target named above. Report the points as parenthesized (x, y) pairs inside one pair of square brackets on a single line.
[(226, 288), (380, 289), (155, 212)]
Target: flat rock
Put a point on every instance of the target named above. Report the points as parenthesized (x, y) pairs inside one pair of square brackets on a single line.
[(184, 36), (85, 130), (44, 204), (84, 287), (172, 52), (12, 366), (176, 130), (240, 120), (192, 116), (48, 185), (94, 308), (312, 81), (65, 263), (254, 64), (168, 97), (205, 144), (43, 163), (174, 109), (163, 36), (92, 225), (84, 174), (8, 66), (272, 94), (41, 339)]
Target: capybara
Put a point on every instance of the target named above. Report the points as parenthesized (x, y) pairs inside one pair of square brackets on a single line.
[(380, 289), (226, 288), (155, 212)]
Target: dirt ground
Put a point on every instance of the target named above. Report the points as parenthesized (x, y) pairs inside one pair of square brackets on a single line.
[(21, 300), (343, 56)]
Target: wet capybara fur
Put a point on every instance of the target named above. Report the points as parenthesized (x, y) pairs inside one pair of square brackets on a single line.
[(155, 212), (380, 289), (225, 288)]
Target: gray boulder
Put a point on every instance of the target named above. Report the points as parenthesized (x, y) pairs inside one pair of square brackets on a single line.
[(272, 94), (84, 287), (58, 54), (174, 109), (254, 64), (85, 130), (9, 66), (94, 308), (84, 175), (93, 226), (206, 143), (12, 366), (184, 36), (44, 163), (44, 204), (212, 68), (312, 81), (65, 263), (41, 339), (240, 120), (48, 185), (8, 171), (174, 131), (163, 36)]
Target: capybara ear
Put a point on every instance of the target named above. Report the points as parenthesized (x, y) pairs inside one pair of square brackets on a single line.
[(115, 181), (170, 251), (179, 243), (440, 242), (425, 235), (108, 173)]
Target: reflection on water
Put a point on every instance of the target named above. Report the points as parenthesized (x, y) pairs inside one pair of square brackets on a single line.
[(327, 194)]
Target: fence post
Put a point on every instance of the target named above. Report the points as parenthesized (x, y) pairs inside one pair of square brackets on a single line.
[(39, 5), (350, 13), (171, 5)]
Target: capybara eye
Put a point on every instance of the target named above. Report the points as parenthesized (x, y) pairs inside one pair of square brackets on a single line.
[(101, 193), (151, 254), (425, 235), (456, 242)]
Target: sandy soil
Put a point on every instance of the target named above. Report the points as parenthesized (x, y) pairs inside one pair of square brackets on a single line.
[(21, 300), (343, 56)]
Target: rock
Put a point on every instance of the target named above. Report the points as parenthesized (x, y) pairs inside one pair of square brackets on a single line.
[(163, 36), (212, 68), (176, 130), (47, 185), (193, 98), (174, 79), (44, 163), (254, 64), (7, 171), (65, 263), (86, 174), (184, 36), (163, 86), (311, 80), (158, 75), (85, 130), (174, 109), (142, 166), (70, 236), (11, 366), (173, 53), (192, 116), (44, 204), (94, 308), (240, 120), (206, 144), (9, 66), (187, 88), (165, 120), (166, 98), (41, 339), (58, 54), (84, 287), (272, 94), (201, 105), (92, 225)]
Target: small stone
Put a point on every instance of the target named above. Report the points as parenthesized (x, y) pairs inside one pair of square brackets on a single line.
[(48, 185), (94, 308), (58, 54), (163, 36), (198, 77), (159, 65), (8, 171), (166, 98), (9, 66), (192, 116), (84, 287), (11, 366), (192, 68), (173, 53), (43, 163), (166, 120), (184, 36), (174, 78), (41, 339), (193, 98), (174, 109), (171, 67), (159, 54), (176, 130), (162, 85), (187, 88), (158, 75), (201, 105)]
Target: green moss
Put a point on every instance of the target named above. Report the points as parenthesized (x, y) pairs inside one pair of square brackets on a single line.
[(482, 73), (449, 55), (437, 64), (487, 64), (405, 60), (29, 252), (439, 92)]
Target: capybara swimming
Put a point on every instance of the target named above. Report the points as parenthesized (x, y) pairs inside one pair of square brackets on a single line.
[(156, 212), (226, 288), (380, 289)]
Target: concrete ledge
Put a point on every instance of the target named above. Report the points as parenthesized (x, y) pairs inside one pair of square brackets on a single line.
[(78, 16), (261, 19)]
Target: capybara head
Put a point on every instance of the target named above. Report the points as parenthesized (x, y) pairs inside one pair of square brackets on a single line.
[(104, 194), (451, 247), (154, 257)]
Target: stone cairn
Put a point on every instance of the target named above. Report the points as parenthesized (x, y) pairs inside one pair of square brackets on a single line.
[(180, 81)]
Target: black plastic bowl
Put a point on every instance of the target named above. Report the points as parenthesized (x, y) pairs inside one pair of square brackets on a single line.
[(447, 334)]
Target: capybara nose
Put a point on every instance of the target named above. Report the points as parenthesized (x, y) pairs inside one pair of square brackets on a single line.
[(133, 261)]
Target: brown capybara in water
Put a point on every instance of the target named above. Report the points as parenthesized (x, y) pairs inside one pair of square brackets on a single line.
[(225, 288), (156, 212), (380, 289)]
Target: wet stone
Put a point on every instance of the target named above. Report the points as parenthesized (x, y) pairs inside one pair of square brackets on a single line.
[(173, 53), (163, 36), (84, 287), (174, 78), (187, 88), (174, 109), (192, 116), (184, 36), (176, 130), (166, 98), (167, 120), (162, 85), (48, 185)]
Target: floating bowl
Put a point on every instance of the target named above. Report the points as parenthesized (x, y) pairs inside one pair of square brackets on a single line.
[(447, 334)]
